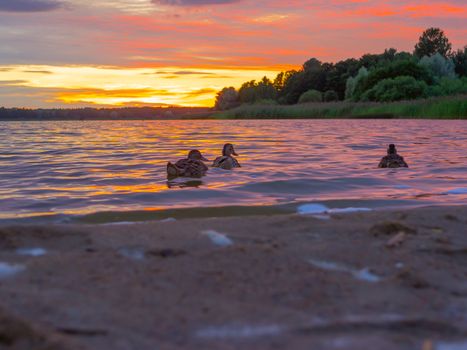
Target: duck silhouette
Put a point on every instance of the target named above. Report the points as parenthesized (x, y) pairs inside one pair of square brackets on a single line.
[(192, 166), (226, 161), (392, 159)]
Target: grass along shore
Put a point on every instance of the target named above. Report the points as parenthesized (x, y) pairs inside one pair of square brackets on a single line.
[(447, 107)]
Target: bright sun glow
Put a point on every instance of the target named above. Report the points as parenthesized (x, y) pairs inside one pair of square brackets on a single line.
[(109, 86)]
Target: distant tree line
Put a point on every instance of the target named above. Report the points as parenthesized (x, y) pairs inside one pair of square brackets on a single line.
[(125, 113), (433, 69)]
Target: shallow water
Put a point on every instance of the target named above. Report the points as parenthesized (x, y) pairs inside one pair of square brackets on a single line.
[(68, 168)]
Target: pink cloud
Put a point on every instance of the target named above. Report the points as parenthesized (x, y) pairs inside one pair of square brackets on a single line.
[(247, 33)]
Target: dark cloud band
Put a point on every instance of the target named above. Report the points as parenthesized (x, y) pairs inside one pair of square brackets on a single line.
[(193, 2), (29, 5), (182, 72)]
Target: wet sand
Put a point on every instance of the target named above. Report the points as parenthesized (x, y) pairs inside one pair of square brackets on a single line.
[(375, 280)]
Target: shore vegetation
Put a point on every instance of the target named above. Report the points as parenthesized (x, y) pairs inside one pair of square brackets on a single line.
[(444, 107), (369, 85)]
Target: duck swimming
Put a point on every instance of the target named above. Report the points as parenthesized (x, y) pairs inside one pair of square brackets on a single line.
[(226, 161), (192, 166), (392, 160)]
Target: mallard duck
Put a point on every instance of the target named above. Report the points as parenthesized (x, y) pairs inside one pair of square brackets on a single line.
[(392, 160), (226, 161), (192, 166)]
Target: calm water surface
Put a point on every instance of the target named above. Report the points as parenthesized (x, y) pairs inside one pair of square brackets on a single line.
[(68, 168)]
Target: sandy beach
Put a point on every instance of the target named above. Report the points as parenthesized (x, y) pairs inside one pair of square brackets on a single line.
[(375, 280)]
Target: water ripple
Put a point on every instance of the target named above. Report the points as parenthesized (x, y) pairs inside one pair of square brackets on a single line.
[(80, 167)]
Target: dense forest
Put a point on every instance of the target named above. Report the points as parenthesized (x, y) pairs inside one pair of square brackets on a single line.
[(433, 69)]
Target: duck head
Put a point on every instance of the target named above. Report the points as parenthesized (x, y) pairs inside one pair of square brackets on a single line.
[(228, 150), (392, 149), (196, 155)]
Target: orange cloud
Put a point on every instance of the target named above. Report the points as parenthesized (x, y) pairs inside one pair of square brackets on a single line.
[(435, 10), (239, 41), (110, 86)]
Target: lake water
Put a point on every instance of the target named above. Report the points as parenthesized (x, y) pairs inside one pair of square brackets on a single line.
[(62, 170)]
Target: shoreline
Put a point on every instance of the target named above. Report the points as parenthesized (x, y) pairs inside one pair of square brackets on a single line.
[(437, 108), (138, 216), (387, 279)]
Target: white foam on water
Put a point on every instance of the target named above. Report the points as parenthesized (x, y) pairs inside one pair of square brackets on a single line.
[(217, 238), (31, 251), (169, 220), (362, 274), (312, 209), (347, 210), (460, 190), (239, 332), (451, 346), (322, 216), (8, 270), (321, 210), (119, 223)]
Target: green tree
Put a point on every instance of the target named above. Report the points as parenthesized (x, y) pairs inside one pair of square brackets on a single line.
[(226, 98), (460, 62), (246, 93), (266, 90), (330, 96), (449, 86), (391, 71), (251, 91), (281, 80), (311, 77), (352, 82), (337, 75), (432, 41), (312, 64), (388, 56), (399, 88), (439, 66), (311, 96)]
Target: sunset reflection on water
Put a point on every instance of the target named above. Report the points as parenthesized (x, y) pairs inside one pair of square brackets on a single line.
[(89, 166)]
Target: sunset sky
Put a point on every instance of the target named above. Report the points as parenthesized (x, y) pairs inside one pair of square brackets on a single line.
[(72, 53)]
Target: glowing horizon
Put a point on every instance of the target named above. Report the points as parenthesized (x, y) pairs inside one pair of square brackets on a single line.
[(70, 53), (79, 86)]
